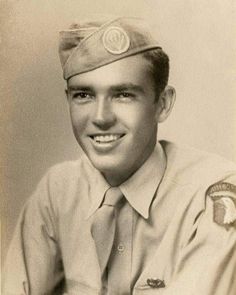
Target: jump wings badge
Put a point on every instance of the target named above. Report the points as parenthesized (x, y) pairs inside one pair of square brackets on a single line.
[(224, 196)]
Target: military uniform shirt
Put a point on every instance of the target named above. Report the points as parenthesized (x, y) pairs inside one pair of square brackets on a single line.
[(168, 241)]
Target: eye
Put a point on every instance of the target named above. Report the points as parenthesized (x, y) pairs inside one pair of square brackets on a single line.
[(124, 96), (82, 96)]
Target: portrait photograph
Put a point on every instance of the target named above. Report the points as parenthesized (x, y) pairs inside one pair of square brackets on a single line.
[(118, 147)]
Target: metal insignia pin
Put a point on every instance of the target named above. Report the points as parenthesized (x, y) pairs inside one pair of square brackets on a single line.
[(156, 283)]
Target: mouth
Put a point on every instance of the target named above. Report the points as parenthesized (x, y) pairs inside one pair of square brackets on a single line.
[(106, 138)]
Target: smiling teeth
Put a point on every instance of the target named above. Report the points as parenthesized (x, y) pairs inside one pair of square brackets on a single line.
[(106, 138)]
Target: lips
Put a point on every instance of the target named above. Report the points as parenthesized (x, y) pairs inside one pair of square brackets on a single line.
[(106, 138)]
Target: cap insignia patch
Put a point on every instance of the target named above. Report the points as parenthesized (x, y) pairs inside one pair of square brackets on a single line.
[(115, 40), (224, 196)]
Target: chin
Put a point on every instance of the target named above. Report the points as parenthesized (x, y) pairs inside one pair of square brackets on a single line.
[(108, 163), (104, 163)]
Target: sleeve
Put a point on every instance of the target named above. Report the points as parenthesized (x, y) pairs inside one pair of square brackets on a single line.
[(207, 264), (33, 263)]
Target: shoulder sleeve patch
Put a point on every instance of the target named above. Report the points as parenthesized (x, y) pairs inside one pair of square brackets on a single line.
[(223, 195)]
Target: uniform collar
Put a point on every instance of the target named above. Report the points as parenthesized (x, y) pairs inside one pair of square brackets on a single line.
[(139, 189), (97, 186)]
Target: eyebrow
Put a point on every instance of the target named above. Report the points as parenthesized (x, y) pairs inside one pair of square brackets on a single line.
[(81, 88), (115, 88), (127, 86)]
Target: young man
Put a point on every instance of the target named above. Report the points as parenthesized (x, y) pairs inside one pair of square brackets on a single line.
[(132, 215)]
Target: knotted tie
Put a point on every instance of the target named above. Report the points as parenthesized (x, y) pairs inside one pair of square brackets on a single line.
[(104, 226)]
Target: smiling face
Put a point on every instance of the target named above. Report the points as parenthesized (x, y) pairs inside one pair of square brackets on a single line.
[(114, 114)]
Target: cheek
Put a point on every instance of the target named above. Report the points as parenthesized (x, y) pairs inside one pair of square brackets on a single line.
[(142, 120), (78, 118)]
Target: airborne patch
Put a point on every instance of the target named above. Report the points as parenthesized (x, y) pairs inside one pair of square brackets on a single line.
[(224, 196), (116, 40)]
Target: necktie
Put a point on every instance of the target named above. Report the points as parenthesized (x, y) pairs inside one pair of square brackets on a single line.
[(104, 226)]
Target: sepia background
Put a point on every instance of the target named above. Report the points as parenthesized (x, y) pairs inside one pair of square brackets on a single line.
[(35, 130)]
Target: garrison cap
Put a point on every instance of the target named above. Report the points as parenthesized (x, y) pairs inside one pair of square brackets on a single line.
[(89, 45)]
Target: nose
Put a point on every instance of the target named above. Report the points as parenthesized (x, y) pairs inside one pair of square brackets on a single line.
[(103, 116)]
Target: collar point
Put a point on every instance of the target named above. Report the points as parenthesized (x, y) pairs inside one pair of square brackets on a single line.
[(145, 215)]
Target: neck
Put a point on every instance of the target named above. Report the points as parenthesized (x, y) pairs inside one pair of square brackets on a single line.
[(116, 178)]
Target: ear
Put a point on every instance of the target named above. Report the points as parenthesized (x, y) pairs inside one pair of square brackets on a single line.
[(165, 103)]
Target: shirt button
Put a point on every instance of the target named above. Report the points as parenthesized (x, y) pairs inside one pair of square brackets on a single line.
[(120, 248)]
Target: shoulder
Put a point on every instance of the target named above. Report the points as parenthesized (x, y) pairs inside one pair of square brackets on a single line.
[(60, 180), (210, 180), (189, 165), (68, 171), (66, 168)]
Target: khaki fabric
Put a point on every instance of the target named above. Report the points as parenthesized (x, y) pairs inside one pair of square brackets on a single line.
[(166, 230), (88, 45)]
